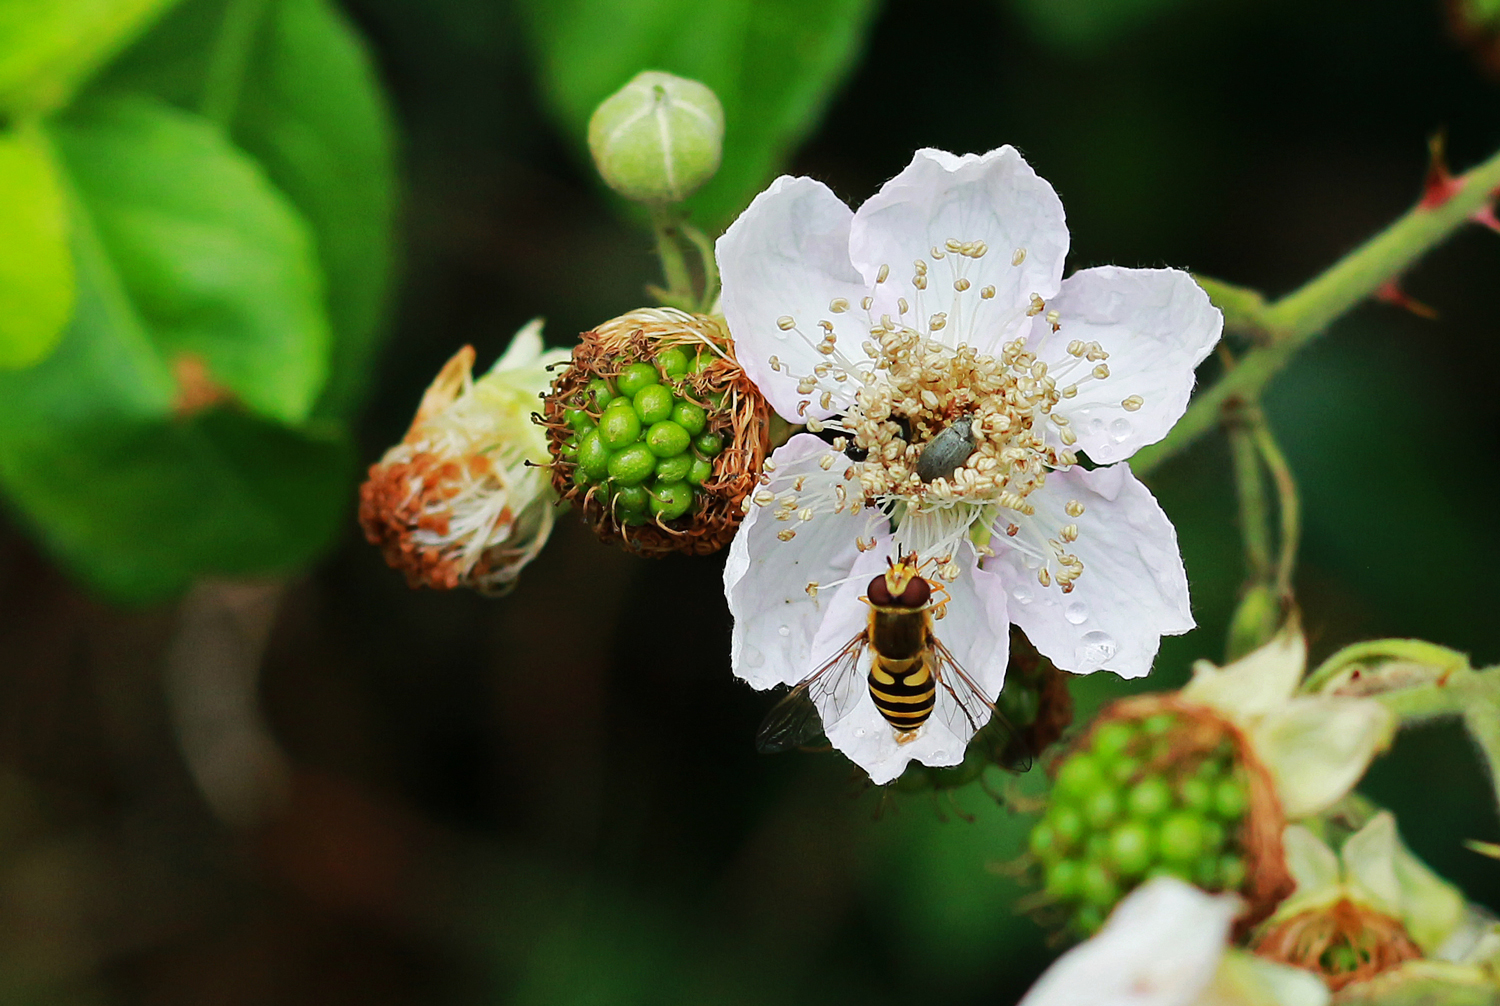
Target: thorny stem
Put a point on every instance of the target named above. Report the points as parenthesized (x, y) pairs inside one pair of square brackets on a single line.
[(1286, 325)]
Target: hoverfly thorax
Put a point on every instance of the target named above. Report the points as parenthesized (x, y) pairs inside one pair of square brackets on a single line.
[(898, 598)]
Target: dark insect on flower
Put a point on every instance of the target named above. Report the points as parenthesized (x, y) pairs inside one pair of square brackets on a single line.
[(947, 451)]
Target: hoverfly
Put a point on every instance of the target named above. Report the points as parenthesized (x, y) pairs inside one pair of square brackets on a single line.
[(912, 674)]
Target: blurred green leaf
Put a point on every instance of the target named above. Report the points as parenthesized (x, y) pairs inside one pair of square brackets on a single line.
[(47, 47), (134, 450), (773, 63), (1088, 24), (220, 268), (309, 107), (36, 269)]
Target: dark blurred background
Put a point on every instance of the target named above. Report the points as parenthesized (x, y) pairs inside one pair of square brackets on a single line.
[(553, 797)]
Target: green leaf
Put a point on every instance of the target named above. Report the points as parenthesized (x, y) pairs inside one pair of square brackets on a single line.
[(308, 106), (48, 47), (36, 269), (773, 63), (142, 472), (220, 268), (1072, 25)]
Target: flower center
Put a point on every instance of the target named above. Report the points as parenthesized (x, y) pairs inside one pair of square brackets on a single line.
[(945, 436)]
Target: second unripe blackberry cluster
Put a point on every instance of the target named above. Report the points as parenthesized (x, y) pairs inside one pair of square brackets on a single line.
[(1127, 806)]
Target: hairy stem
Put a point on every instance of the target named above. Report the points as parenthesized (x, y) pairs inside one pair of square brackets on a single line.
[(1288, 324), (1255, 514), (1288, 504)]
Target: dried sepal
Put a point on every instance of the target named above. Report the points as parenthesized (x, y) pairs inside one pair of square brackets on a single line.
[(464, 500)]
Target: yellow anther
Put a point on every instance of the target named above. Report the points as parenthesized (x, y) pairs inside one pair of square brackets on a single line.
[(838, 305), (1070, 532), (1133, 403), (1018, 256), (786, 323), (961, 284), (786, 535), (883, 274), (1101, 371), (1074, 508)]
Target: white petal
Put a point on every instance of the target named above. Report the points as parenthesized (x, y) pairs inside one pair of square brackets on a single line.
[(1157, 325), (1318, 746), (525, 347), (976, 630), (765, 579), (1256, 684), (995, 198), (1133, 589), (1160, 947), (787, 256)]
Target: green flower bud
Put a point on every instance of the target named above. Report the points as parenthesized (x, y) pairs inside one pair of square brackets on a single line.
[(658, 138)]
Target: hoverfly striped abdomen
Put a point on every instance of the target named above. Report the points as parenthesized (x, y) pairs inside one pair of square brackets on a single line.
[(900, 680)]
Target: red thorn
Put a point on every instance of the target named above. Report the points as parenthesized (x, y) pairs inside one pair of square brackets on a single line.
[(1390, 293), (1440, 185), (1485, 217)]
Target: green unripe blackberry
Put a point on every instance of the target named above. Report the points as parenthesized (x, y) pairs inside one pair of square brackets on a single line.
[(1098, 886), (1149, 798), (1078, 776), (667, 439), (630, 499), (1181, 838), (701, 362), (1131, 848), (1149, 791), (619, 428), (653, 403), (1062, 879), (1230, 800), (632, 466), (580, 420), (1101, 808), (593, 456), (690, 417), (670, 500), (675, 468), (708, 444), (598, 394), (672, 362), (635, 377), (1196, 794), (699, 472)]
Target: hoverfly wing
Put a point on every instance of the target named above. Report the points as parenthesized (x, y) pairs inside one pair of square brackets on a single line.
[(795, 720), (965, 708)]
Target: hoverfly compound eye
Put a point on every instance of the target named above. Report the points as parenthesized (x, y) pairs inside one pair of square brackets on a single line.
[(879, 593), (916, 593)]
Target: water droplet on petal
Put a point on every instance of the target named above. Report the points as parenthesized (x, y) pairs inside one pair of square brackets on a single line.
[(1096, 426), (1120, 429), (1077, 612), (1022, 594), (939, 755), (785, 630), (753, 657), (860, 732), (1096, 647)]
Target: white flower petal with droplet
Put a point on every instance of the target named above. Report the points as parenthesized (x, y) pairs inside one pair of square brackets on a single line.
[(1157, 325), (1133, 589), (1160, 947), (765, 578)]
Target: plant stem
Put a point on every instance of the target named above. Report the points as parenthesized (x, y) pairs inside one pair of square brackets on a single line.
[(1255, 516), (1288, 504), (1291, 322), (710, 262), (674, 267), (228, 60)]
